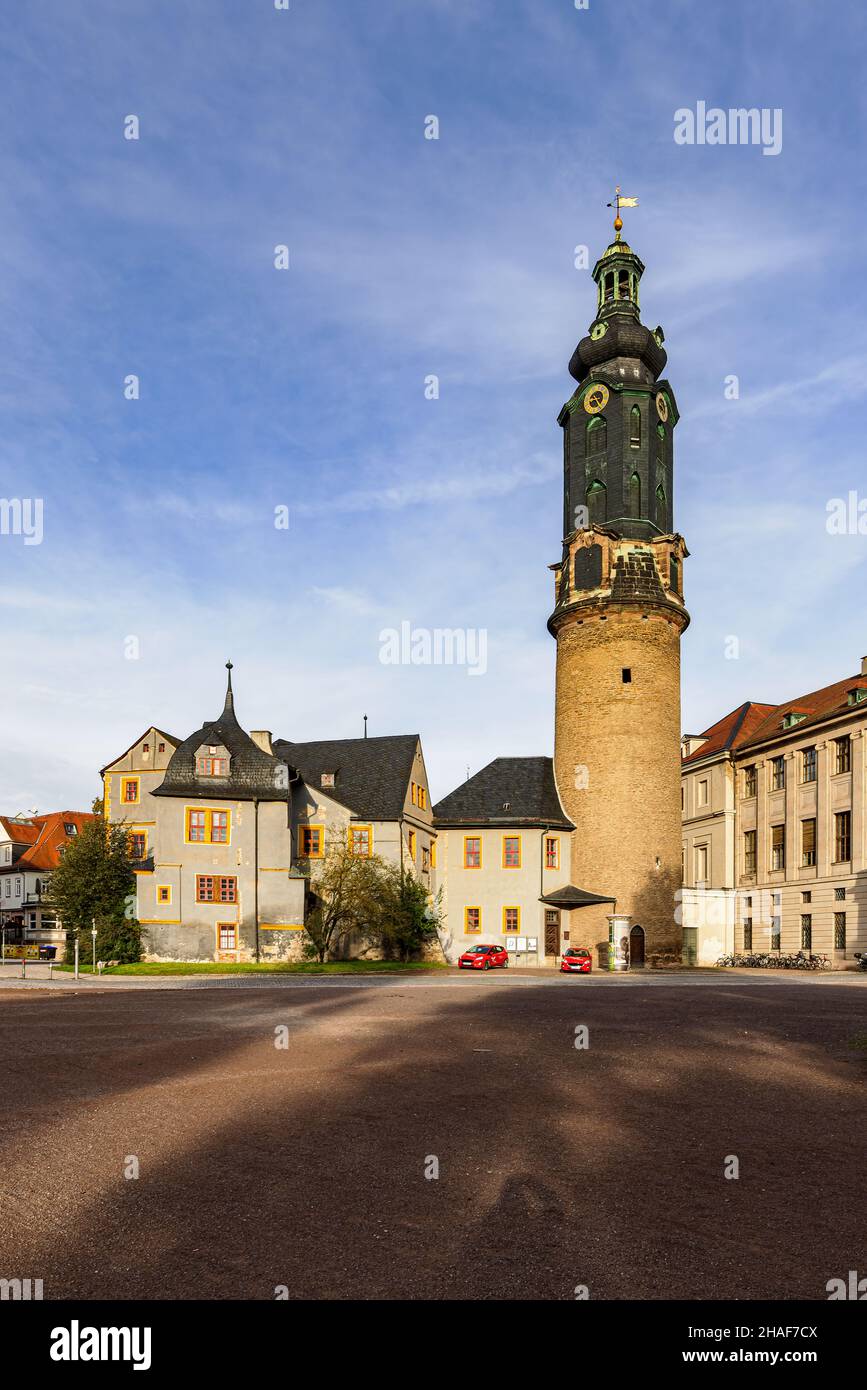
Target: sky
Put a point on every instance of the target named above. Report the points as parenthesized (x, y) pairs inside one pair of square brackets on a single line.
[(301, 394)]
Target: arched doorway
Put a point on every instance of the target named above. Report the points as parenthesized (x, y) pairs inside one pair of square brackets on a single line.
[(636, 948)]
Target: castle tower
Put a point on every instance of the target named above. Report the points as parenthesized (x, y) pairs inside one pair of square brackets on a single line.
[(618, 618)]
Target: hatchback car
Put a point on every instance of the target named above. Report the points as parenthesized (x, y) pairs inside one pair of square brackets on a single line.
[(577, 959), (483, 958)]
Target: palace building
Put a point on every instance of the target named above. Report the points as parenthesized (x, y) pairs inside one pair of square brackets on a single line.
[(774, 838)]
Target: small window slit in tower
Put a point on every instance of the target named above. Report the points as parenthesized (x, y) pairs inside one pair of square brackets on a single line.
[(627, 675)]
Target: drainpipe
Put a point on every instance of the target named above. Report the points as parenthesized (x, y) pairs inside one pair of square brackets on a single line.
[(256, 873)]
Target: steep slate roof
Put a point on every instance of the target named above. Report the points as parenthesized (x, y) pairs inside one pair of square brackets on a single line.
[(43, 853), (373, 774), (525, 784), (818, 705), (253, 773), (730, 731)]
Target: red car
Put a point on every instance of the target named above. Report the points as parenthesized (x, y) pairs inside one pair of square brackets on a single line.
[(483, 957), (576, 958)]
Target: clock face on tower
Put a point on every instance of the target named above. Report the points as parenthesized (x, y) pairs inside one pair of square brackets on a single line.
[(596, 399), (662, 407)]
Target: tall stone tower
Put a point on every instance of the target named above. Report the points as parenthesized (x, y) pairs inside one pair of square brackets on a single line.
[(618, 618)]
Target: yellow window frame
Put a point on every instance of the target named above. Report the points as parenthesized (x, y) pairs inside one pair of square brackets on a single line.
[(520, 852), (317, 854), (353, 830), (512, 931), (209, 813), (468, 930), (433, 854), (553, 840), (164, 888), (124, 783), (467, 839)]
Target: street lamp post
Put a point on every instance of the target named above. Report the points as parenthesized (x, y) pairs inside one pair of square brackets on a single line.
[(93, 939)]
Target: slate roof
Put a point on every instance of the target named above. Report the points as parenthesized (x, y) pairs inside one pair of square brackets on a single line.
[(730, 731), (253, 773), (373, 774), (48, 838), (509, 791)]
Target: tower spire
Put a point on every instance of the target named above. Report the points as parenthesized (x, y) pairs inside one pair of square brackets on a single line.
[(620, 202), (230, 697)]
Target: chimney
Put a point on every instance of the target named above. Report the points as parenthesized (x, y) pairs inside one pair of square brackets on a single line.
[(864, 666), (262, 739)]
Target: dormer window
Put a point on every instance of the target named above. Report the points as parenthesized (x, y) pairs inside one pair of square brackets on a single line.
[(792, 718), (212, 760), (327, 779), (70, 828), (857, 694)]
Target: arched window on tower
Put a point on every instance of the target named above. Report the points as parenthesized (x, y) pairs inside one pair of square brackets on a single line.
[(635, 427), (609, 287), (597, 436), (660, 444), (635, 495), (660, 504), (597, 502), (623, 291), (674, 573)]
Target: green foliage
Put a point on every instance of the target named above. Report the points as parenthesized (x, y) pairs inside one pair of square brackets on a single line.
[(345, 891), (408, 918), (95, 881)]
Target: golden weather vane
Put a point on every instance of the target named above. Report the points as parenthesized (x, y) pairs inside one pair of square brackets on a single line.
[(621, 202)]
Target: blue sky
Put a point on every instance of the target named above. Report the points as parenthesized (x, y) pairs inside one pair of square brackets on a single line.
[(408, 257)]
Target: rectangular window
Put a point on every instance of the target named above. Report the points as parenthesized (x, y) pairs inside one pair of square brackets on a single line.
[(164, 893), (411, 840), (161, 748), (808, 765), (778, 847), (806, 932), (138, 844), (422, 798), (472, 920), (360, 837), (511, 851), (196, 826), (839, 931), (749, 851), (208, 827), (209, 766), (228, 936), (511, 919), (808, 843), (219, 827), (413, 791), (842, 837), (778, 774), (748, 933), (702, 792), (425, 859), (701, 866), (807, 896), (310, 841), (751, 778), (472, 852), (552, 852), (129, 791), (433, 854), (839, 895), (776, 922), (843, 754), (216, 888)]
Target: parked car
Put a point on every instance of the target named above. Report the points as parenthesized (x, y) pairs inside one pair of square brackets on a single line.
[(483, 958), (577, 959)]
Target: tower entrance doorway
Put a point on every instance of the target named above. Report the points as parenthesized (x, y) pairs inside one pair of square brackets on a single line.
[(552, 932), (636, 948)]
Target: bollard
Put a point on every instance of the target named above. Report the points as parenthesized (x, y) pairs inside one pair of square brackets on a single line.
[(24, 967)]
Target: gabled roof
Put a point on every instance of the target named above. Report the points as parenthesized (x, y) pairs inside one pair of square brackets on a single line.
[(43, 853), (730, 731), (373, 774), (167, 738), (509, 791), (817, 706), (253, 773)]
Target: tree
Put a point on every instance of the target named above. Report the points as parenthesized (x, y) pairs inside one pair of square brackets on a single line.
[(94, 881), (408, 918), (345, 899)]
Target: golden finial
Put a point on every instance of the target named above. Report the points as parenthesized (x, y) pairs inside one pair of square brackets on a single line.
[(620, 202)]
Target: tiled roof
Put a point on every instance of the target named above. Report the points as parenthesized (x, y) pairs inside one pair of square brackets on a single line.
[(509, 791), (818, 705), (730, 731), (50, 836), (372, 774), (19, 832)]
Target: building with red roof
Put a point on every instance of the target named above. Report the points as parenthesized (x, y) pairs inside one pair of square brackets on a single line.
[(30, 848)]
